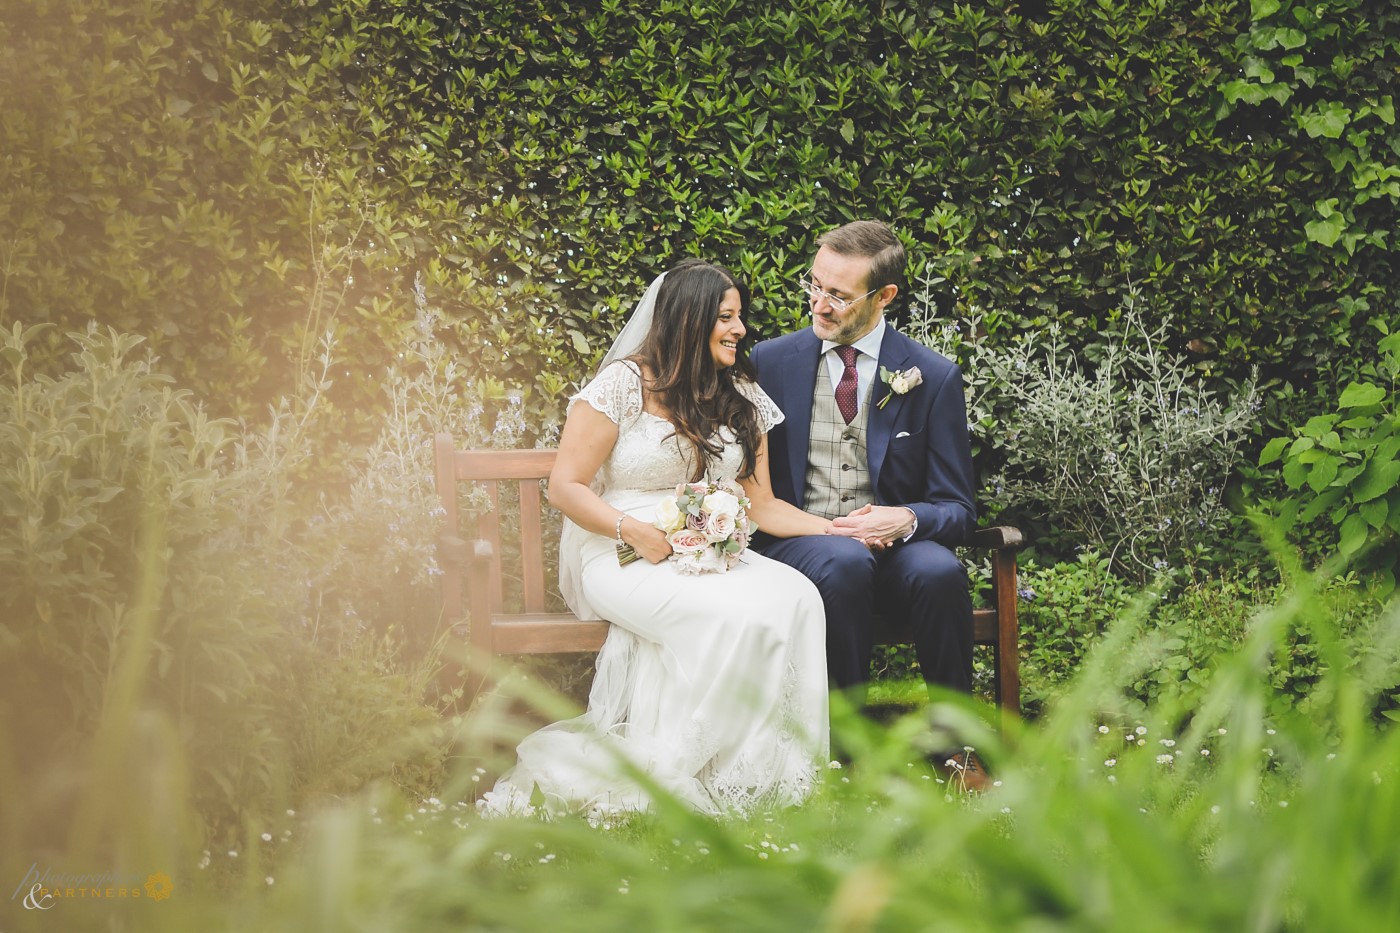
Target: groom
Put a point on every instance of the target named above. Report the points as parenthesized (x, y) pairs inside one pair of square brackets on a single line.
[(887, 458)]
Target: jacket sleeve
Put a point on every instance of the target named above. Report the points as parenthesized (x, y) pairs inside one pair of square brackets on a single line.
[(948, 512)]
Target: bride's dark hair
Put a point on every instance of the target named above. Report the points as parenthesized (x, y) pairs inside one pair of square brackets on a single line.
[(700, 397)]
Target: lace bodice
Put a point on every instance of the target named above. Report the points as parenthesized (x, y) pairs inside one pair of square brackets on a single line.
[(647, 456)]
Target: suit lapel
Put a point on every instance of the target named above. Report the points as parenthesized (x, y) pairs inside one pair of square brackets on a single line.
[(879, 425), (799, 382)]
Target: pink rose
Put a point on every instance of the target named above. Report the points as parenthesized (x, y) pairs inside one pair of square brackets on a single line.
[(688, 541)]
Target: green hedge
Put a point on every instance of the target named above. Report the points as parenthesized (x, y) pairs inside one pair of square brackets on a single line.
[(232, 179)]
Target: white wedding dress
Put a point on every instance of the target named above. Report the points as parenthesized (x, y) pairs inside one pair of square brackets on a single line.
[(712, 686)]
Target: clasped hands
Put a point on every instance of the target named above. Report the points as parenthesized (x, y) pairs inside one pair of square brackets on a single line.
[(878, 527)]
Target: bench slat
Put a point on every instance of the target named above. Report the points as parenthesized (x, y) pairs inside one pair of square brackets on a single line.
[(547, 633), (504, 464), (532, 542)]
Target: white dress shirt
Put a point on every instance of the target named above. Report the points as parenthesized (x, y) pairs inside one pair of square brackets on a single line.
[(867, 360)]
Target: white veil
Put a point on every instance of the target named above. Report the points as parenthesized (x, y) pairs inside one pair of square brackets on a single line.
[(572, 538)]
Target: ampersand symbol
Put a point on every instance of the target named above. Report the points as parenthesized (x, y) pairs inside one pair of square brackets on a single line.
[(37, 903)]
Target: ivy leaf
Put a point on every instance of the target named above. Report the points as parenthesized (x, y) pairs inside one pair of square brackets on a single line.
[(1328, 120), (1327, 230), (1247, 91), (848, 130), (1263, 9), (580, 342)]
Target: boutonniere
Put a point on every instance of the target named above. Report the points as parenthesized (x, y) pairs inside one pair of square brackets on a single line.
[(899, 381)]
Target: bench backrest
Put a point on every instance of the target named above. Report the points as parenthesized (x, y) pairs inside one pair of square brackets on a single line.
[(493, 468)]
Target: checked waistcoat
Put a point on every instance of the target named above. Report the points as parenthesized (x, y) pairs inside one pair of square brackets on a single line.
[(838, 479)]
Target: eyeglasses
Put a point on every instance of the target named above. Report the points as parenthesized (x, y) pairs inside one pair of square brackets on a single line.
[(815, 293)]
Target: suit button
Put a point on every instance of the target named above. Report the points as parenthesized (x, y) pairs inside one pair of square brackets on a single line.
[(845, 498), (845, 466)]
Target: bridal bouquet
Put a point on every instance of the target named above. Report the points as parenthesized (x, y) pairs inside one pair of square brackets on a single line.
[(707, 524)]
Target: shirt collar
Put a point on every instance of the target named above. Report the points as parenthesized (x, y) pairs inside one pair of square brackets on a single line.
[(869, 344)]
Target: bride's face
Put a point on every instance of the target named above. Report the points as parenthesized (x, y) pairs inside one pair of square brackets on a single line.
[(728, 330)]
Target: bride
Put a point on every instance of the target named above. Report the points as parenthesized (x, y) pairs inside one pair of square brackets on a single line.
[(711, 686)]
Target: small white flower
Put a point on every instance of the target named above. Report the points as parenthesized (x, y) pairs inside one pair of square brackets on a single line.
[(1205, 753), (1141, 730), (1110, 762), (900, 382), (267, 837), (1103, 730)]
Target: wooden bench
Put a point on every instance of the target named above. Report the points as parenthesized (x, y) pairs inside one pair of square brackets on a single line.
[(538, 630)]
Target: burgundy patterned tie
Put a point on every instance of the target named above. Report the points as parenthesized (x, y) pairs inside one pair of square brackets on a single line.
[(846, 388)]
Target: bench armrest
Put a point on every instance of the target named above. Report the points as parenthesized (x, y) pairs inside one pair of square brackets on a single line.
[(999, 538)]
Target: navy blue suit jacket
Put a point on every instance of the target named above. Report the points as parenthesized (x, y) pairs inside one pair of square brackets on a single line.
[(918, 451)]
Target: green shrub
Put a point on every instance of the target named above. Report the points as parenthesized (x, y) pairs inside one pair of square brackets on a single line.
[(1117, 445), (160, 567), (1344, 469), (1064, 610), (233, 180)]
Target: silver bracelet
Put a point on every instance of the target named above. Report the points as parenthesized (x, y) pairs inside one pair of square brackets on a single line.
[(625, 552)]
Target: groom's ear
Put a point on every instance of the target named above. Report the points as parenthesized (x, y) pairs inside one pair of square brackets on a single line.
[(886, 295)]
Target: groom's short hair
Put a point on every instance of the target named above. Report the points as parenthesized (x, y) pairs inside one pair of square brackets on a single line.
[(877, 242)]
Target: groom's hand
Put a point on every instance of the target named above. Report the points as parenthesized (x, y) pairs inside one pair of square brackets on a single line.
[(877, 526)]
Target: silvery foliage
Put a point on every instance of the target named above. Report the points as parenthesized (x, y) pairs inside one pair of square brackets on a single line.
[(387, 527), (1120, 443)]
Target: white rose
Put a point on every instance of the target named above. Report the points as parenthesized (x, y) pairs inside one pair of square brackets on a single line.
[(719, 526), (710, 561), (721, 503), (668, 515)]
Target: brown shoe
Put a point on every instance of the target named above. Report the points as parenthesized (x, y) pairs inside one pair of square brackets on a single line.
[(964, 771)]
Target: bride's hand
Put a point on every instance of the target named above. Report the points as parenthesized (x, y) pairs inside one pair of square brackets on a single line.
[(647, 540)]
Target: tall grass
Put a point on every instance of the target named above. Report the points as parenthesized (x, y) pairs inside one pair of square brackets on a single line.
[(1107, 816)]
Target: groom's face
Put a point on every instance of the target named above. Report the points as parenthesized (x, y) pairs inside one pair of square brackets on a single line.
[(843, 277)]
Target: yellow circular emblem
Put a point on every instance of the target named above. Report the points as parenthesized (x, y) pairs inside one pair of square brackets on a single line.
[(158, 886)]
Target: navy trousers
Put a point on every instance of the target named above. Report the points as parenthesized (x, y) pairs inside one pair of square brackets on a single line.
[(921, 582)]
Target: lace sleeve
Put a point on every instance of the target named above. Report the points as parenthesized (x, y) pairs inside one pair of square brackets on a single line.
[(616, 391), (769, 414)]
